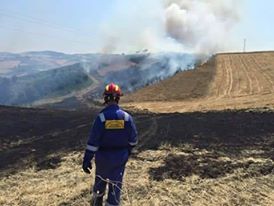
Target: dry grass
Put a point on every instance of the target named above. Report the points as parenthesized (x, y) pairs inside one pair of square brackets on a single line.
[(68, 185), (45, 187)]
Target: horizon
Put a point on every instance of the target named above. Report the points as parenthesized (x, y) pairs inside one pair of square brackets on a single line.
[(67, 53)]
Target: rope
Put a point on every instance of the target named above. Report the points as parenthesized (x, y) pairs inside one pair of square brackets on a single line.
[(115, 184)]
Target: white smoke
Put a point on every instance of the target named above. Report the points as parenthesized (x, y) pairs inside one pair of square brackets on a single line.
[(200, 26)]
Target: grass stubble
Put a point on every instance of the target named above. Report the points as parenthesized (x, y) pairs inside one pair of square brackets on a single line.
[(148, 182)]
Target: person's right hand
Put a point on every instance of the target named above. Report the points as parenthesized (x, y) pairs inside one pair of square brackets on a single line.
[(87, 166), (87, 161)]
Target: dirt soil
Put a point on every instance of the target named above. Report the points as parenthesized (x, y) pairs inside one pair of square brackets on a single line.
[(198, 158), (226, 81)]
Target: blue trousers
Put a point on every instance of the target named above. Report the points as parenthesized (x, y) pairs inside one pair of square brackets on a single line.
[(110, 165)]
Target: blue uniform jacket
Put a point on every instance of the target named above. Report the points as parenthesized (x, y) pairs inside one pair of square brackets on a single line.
[(110, 140)]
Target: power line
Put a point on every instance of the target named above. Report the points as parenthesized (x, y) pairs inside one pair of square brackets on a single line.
[(30, 19), (43, 35)]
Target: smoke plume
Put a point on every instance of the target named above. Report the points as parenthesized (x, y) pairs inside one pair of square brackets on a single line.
[(200, 26)]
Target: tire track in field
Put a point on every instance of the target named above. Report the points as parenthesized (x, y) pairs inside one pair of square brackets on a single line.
[(220, 87), (269, 63), (266, 72), (262, 72), (244, 83), (149, 133), (216, 90), (236, 86), (230, 77), (249, 80), (226, 77), (256, 74)]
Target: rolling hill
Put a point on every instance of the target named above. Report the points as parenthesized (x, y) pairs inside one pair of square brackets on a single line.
[(78, 84), (226, 81), (17, 64), (27, 89)]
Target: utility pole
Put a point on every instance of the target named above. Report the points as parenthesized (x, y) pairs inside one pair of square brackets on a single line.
[(244, 48)]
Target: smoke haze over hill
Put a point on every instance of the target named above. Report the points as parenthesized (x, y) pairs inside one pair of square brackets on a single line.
[(32, 79)]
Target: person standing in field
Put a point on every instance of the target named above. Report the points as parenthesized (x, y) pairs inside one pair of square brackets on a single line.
[(111, 141)]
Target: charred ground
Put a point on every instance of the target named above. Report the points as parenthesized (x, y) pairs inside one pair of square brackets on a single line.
[(175, 147)]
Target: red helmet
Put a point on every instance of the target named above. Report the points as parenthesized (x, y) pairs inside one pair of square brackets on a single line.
[(113, 89), (112, 93)]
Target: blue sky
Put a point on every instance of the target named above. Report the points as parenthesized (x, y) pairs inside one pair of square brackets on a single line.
[(75, 26), (256, 25)]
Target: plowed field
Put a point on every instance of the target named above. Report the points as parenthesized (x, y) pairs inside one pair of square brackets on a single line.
[(226, 81)]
